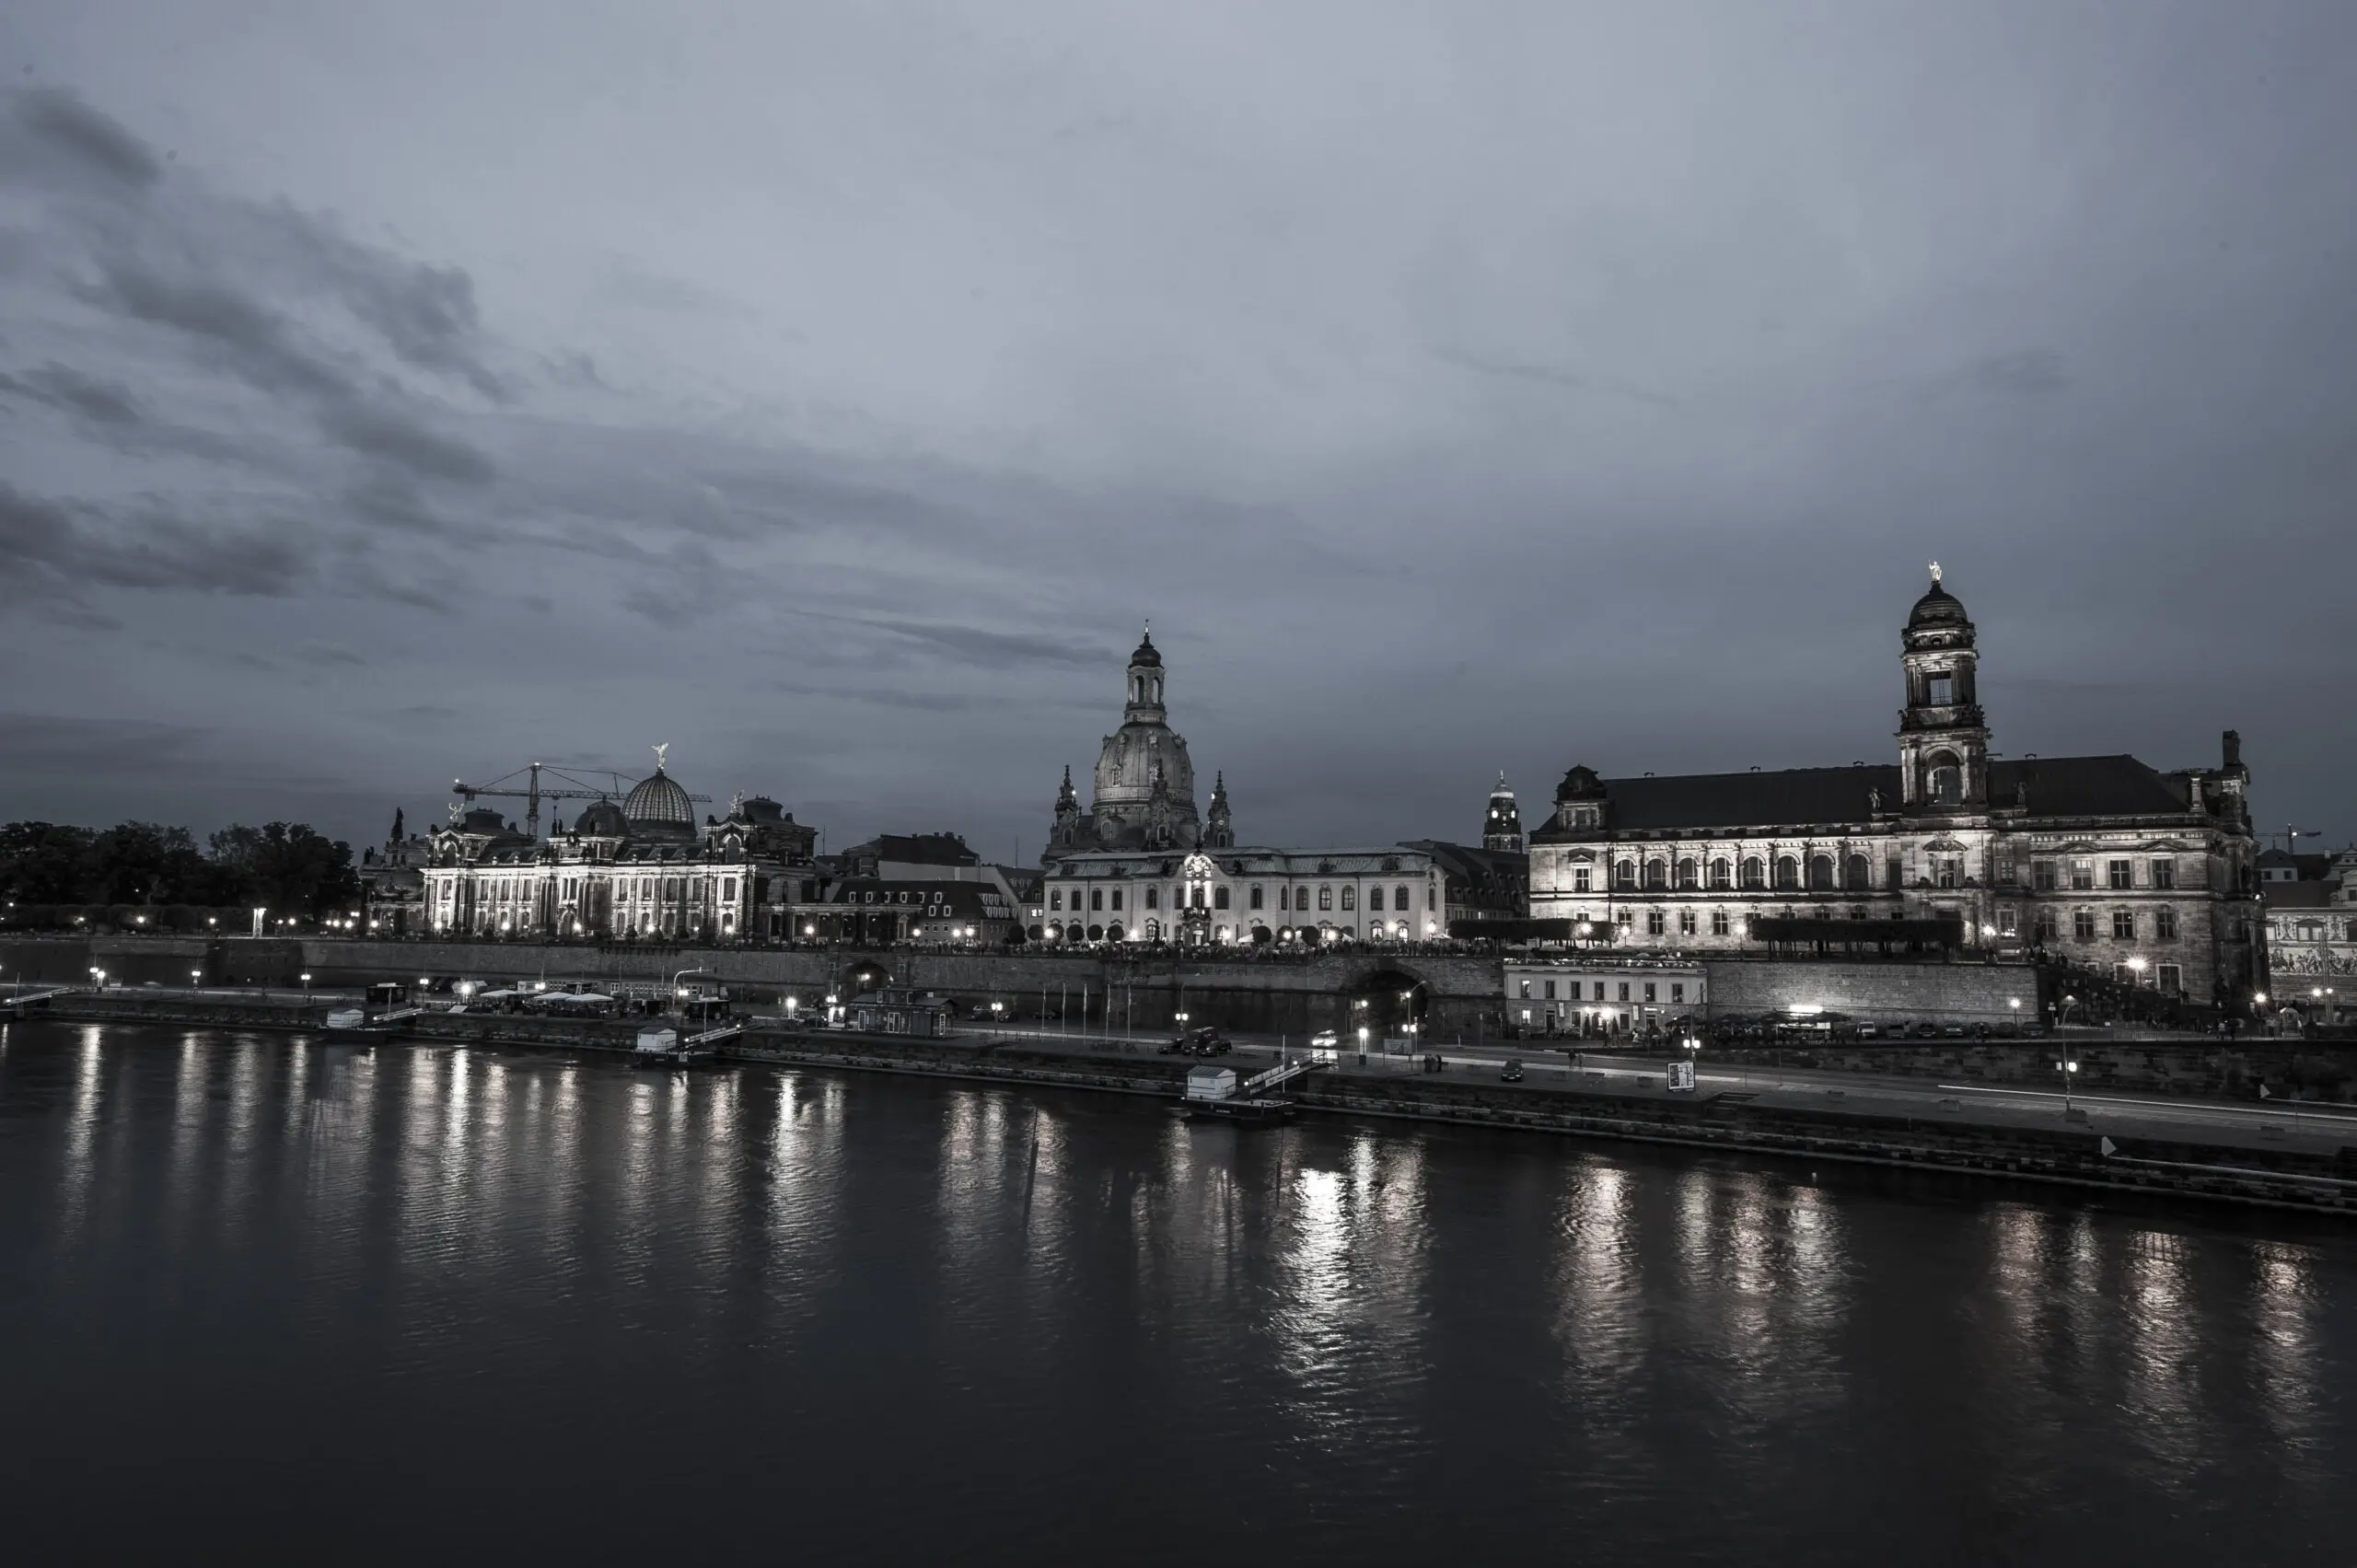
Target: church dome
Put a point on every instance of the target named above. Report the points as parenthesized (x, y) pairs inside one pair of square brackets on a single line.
[(1148, 653), (1938, 608), (659, 802), (602, 818)]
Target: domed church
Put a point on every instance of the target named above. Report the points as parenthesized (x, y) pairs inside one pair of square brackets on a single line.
[(1142, 796)]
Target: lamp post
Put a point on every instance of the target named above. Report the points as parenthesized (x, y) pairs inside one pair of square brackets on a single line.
[(307, 986), (196, 980), (2067, 1068)]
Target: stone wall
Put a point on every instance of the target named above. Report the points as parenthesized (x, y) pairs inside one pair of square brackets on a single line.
[(1453, 996), (1877, 993)]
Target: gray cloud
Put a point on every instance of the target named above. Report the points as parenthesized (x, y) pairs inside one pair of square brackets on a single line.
[(1455, 389), (78, 546), (51, 120), (101, 401)]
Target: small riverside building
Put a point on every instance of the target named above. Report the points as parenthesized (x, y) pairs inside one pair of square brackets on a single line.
[(1613, 995)]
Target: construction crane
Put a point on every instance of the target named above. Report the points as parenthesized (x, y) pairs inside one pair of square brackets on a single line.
[(533, 792)]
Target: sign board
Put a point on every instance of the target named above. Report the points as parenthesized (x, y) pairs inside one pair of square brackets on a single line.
[(1681, 1075)]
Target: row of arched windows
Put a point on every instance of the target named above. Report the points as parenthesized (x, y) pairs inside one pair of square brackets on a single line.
[(1784, 871)]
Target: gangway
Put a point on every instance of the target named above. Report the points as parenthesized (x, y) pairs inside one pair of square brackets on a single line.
[(25, 999), (713, 1036), (397, 1014), (1284, 1073)]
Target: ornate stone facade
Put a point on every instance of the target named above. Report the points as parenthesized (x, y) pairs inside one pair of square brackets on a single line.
[(640, 870), (2100, 859), (1286, 897), (1144, 791)]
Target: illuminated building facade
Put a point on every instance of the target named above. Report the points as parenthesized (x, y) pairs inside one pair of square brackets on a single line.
[(2103, 860)]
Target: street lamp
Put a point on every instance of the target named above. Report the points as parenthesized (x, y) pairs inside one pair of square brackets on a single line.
[(2066, 1069), (196, 980), (307, 984)]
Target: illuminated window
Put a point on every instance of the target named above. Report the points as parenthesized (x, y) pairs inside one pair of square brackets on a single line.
[(1349, 898), (1325, 898), (2083, 875)]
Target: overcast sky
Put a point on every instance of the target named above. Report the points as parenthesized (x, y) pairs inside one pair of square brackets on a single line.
[(395, 392)]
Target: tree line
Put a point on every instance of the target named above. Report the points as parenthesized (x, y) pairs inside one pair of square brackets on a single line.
[(49, 869)]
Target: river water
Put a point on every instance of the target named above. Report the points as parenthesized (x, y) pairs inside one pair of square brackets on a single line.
[(287, 1299)]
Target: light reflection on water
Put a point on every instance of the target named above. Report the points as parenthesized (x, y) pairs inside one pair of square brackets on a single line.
[(1062, 1318)]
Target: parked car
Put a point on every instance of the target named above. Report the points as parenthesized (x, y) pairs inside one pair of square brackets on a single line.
[(1512, 1072)]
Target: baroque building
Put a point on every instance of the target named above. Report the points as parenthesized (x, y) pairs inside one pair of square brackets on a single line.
[(2100, 860), (1142, 796), (640, 869), (1140, 865)]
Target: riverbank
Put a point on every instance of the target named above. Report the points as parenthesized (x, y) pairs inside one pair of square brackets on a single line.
[(1964, 1140)]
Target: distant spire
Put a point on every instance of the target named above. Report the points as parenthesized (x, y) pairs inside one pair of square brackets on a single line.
[(397, 824)]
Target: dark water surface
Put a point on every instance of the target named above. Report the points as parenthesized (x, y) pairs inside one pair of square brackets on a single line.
[(280, 1299)]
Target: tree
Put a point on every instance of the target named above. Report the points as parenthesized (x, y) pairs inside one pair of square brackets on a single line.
[(42, 863), (288, 866)]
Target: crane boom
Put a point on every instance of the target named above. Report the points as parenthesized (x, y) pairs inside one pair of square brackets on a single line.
[(533, 792)]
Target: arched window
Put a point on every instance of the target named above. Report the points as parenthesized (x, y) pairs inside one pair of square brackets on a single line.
[(1721, 874), (1820, 873), (1375, 898), (1219, 896), (1624, 873), (1399, 900), (1788, 871), (1688, 874), (1350, 897), (1861, 874), (1943, 779), (1754, 873), (1656, 874)]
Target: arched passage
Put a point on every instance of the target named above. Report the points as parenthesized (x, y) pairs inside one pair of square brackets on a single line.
[(866, 975), (1387, 1001)]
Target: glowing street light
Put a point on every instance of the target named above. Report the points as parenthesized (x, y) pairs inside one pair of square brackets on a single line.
[(2068, 1069), (307, 984)]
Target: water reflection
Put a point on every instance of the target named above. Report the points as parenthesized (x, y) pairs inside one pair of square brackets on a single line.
[(1030, 1304)]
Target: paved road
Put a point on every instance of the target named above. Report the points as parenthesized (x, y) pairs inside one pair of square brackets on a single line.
[(2231, 1124)]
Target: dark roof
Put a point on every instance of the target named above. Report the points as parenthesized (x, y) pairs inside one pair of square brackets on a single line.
[(1938, 608), (2297, 895), (2307, 867), (1148, 653), (914, 849), (2057, 786), (1467, 862)]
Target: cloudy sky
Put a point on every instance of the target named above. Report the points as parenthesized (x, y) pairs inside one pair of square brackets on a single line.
[(399, 391)]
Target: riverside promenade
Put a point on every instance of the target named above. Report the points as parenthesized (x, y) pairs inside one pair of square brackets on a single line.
[(2290, 1157)]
